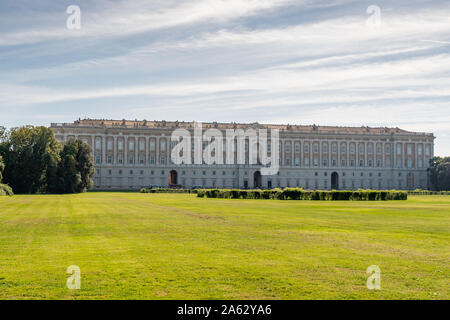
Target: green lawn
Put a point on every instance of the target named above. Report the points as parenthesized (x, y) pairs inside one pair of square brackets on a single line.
[(178, 246)]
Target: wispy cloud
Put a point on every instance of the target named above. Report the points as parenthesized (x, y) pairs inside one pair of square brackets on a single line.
[(239, 60)]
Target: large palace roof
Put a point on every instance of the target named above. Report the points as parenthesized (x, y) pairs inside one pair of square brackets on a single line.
[(144, 124)]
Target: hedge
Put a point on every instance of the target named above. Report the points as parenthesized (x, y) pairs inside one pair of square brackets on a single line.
[(167, 190), (300, 194), (428, 192), (6, 190)]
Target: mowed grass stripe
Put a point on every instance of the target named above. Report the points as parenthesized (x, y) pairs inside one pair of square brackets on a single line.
[(164, 246)]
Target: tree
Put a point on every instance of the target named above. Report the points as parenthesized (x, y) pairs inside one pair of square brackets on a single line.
[(31, 156), (2, 167), (75, 169), (439, 173)]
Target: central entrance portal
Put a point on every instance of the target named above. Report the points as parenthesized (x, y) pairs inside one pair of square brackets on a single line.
[(173, 177), (334, 181), (257, 180)]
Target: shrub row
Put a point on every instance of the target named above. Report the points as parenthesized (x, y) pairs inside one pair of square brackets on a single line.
[(428, 192), (6, 190), (300, 194), (167, 190)]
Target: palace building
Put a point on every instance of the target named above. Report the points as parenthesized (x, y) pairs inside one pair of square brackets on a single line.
[(135, 154)]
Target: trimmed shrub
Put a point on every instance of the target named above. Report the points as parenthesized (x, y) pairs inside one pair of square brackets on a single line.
[(300, 194), (167, 190)]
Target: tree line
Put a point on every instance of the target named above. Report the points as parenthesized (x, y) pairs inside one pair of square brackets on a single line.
[(439, 173), (32, 161)]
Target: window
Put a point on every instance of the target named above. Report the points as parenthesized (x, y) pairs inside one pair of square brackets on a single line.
[(370, 162), (343, 148), (361, 162), (409, 163), (325, 148), (378, 163), (333, 162), (370, 148), (316, 162), (120, 158), (269, 147), (352, 148), (130, 144), (141, 172), (419, 150), (131, 171), (288, 161), (361, 149), (325, 162), (162, 160), (388, 148), (98, 160), (141, 145), (427, 150), (409, 149), (399, 149), (131, 159), (378, 148), (297, 162), (334, 148), (109, 159), (288, 147), (110, 144), (141, 159), (152, 159), (352, 163), (109, 172), (163, 145), (343, 162), (297, 147), (420, 163), (316, 148), (306, 161), (98, 143), (306, 148), (152, 145), (120, 144)]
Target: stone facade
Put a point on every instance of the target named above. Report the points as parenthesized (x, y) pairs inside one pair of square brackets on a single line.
[(134, 154)]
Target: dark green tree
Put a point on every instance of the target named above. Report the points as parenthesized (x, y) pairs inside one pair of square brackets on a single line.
[(75, 169), (31, 156), (2, 167), (439, 173)]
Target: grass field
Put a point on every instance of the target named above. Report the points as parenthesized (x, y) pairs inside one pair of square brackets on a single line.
[(178, 246)]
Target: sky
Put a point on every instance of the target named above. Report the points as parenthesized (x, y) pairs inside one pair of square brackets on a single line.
[(343, 62)]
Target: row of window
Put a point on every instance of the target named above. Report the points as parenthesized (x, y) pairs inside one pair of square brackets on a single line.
[(334, 146)]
